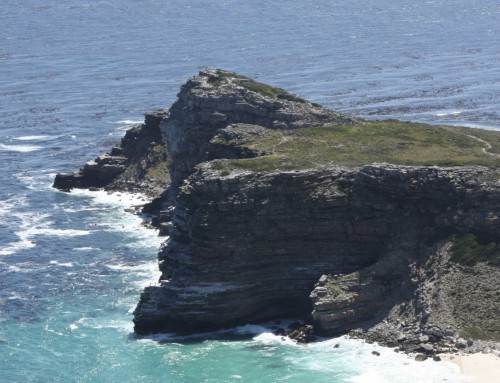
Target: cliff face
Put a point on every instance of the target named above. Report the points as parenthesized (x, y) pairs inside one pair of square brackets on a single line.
[(216, 99), (404, 255), (250, 247), (417, 296), (137, 164), (247, 247)]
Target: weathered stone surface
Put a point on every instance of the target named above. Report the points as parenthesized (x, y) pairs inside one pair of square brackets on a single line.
[(274, 219), (216, 99), (247, 247), (413, 287), (420, 357), (365, 250), (137, 164)]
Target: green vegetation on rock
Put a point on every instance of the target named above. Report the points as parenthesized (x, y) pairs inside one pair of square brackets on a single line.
[(486, 331), (337, 286), (224, 78), (470, 249), (391, 141), (159, 171), (157, 166)]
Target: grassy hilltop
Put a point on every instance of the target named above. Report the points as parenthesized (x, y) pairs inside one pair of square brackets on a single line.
[(391, 141)]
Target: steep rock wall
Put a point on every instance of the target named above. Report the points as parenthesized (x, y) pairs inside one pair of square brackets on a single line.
[(137, 164), (249, 246), (215, 99), (361, 248)]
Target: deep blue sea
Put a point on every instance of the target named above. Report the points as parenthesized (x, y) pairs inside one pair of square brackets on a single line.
[(74, 75)]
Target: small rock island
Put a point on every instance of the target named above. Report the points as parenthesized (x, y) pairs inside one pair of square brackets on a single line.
[(276, 207)]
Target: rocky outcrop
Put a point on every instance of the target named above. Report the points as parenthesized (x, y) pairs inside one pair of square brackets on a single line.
[(137, 164), (249, 247), (404, 255), (208, 280), (216, 99), (426, 206), (410, 297)]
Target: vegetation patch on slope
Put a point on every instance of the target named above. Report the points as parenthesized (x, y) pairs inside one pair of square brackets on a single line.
[(474, 295), (470, 249)]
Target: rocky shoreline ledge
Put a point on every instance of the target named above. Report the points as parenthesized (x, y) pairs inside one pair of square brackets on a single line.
[(276, 207)]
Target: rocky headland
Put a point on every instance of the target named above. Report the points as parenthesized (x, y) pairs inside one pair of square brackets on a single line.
[(276, 207), (138, 163)]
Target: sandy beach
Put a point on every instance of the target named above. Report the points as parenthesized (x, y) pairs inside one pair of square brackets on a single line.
[(482, 368)]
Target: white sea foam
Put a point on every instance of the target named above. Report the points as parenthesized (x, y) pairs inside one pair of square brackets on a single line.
[(123, 267), (354, 359), (124, 125), (474, 125), (251, 329), (20, 148), (83, 321), (147, 273), (115, 219), (7, 207), (34, 138), (14, 268), (62, 264), (55, 232), (48, 329), (24, 242), (366, 367), (124, 325), (129, 122), (86, 248), (118, 199), (146, 267), (36, 181), (76, 209), (22, 267), (112, 217), (32, 225), (14, 247), (449, 113), (164, 337), (270, 338), (14, 295)]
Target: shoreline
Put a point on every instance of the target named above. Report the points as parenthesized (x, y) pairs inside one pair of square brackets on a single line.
[(481, 368)]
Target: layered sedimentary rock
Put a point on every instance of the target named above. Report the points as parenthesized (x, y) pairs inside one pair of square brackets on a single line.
[(411, 292), (216, 99), (138, 163), (250, 248), (247, 247), (405, 255)]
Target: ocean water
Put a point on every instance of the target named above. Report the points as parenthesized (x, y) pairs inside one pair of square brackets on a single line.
[(74, 75)]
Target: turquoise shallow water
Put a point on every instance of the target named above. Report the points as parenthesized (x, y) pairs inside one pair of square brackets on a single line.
[(75, 75)]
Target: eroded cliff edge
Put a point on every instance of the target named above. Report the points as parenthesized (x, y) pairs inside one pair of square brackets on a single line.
[(249, 247), (277, 207)]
